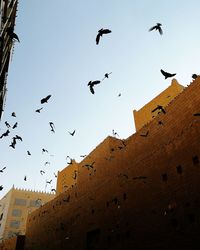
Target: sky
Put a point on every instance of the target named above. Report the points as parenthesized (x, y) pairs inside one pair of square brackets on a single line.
[(58, 56)]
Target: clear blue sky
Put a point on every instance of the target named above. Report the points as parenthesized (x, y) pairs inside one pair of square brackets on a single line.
[(58, 55)]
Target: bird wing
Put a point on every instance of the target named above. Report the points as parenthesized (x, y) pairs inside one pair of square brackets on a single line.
[(98, 38), (96, 82), (92, 90), (16, 37), (160, 30), (164, 73), (152, 28), (106, 31)]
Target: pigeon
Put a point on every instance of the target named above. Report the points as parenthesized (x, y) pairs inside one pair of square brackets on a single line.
[(17, 137), (15, 125), (72, 133), (1, 187), (157, 27), (114, 133), (194, 76), (83, 156), (106, 75), (28, 152), (25, 178), (71, 161), (101, 32), (7, 124), (42, 172), (11, 34), (119, 94), (1, 170), (52, 126), (38, 110), (13, 143), (5, 134), (49, 182), (45, 99), (166, 74), (53, 190), (44, 150), (13, 114), (160, 108), (91, 85)]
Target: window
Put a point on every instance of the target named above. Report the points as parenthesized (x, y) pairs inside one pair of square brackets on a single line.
[(15, 224), (17, 212), (20, 202), (35, 203)]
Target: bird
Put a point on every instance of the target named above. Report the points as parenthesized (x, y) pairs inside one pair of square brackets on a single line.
[(5, 134), (15, 125), (1, 187), (49, 182), (17, 137), (145, 135), (38, 110), (53, 190), (166, 74), (83, 156), (159, 107), (44, 150), (25, 178), (114, 133), (28, 152), (11, 34), (91, 85), (72, 133), (101, 32), (1, 170), (106, 75), (47, 163), (71, 161), (55, 175), (7, 124), (45, 99), (42, 172), (88, 166), (119, 94), (157, 27), (52, 126), (13, 114), (194, 76), (13, 143)]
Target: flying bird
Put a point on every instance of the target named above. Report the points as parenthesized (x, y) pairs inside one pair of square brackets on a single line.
[(53, 190), (1, 187), (13, 114), (28, 152), (106, 75), (7, 124), (91, 85), (38, 110), (25, 178), (157, 27), (11, 34), (159, 107), (48, 182), (114, 133), (17, 137), (1, 170), (119, 94), (101, 32), (15, 125), (72, 133), (44, 150), (42, 172), (5, 134), (71, 161), (13, 143), (45, 99), (47, 163), (166, 74), (52, 126)]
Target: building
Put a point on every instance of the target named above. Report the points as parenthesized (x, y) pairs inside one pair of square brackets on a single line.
[(145, 114), (8, 9), (142, 193), (15, 207)]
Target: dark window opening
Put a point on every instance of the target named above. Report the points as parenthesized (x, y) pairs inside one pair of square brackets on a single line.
[(179, 169), (164, 177), (195, 160), (107, 204), (124, 196), (93, 239)]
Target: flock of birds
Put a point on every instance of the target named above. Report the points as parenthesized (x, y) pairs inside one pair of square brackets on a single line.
[(91, 84)]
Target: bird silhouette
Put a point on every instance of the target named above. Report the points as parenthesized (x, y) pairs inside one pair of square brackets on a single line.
[(28, 152), (7, 124), (47, 163), (38, 110), (42, 172), (17, 137), (102, 32), (166, 74), (194, 76), (13, 143), (52, 126), (48, 182), (1, 187), (106, 75), (157, 27), (15, 125), (13, 114), (53, 190), (45, 99), (55, 175), (159, 107), (11, 34), (45, 151), (25, 178), (1, 170), (91, 85), (119, 94), (114, 133), (72, 133), (83, 156), (71, 161), (5, 134)]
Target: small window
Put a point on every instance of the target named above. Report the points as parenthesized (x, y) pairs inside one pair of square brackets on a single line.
[(17, 212), (15, 224), (164, 177), (195, 160), (20, 202), (35, 203)]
